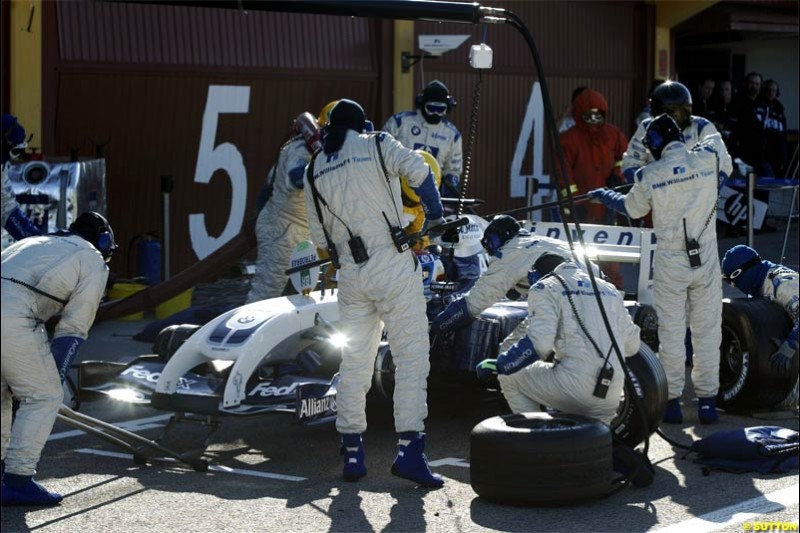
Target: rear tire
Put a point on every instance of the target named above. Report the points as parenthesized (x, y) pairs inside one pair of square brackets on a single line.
[(747, 381), (541, 459)]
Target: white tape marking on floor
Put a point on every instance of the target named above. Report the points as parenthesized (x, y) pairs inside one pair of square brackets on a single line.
[(215, 468), (449, 461), (132, 425), (737, 513)]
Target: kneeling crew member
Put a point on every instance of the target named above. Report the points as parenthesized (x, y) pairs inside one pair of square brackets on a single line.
[(744, 268), (514, 251), (586, 377), (63, 273)]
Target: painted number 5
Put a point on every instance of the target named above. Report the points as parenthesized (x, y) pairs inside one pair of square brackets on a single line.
[(226, 157)]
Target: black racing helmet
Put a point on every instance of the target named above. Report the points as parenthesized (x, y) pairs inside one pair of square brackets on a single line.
[(661, 131), (94, 227), (547, 262), (500, 230), (675, 99), (434, 102)]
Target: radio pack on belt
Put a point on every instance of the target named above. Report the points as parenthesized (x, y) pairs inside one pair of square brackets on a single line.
[(356, 244), (398, 234)]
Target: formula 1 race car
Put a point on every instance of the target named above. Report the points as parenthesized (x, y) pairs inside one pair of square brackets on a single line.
[(282, 355)]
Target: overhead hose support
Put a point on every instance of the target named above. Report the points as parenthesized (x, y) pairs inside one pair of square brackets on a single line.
[(473, 128)]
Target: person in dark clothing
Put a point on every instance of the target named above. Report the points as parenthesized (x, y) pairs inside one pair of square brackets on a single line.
[(749, 128), (726, 114), (773, 119), (702, 105)]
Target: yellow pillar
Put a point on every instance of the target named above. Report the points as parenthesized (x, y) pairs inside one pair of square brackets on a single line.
[(663, 59), (403, 81), (670, 13), (25, 64)]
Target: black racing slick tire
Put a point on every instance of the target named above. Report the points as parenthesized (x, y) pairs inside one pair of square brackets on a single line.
[(541, 459), (747, 381), (171, 338), (646, 381)]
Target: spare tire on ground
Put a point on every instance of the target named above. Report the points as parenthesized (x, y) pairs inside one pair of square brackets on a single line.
[(647, 382), (171, 338), (747, 381), (541, 459)]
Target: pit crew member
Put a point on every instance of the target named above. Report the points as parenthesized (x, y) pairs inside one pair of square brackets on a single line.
[(427, 128), (586, 376), (353, 203), (63, 273), (744, 268), (680, 187)]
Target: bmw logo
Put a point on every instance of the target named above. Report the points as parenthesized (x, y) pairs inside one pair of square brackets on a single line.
[(246, 319), (415, 130)]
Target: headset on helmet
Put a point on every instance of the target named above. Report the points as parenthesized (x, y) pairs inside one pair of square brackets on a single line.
[(408, 192), (325, 114), (94, 227), (435, 91), (661, 131), (675, 99), (500, 230)]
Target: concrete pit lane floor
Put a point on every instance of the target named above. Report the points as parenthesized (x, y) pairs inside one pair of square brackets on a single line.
[(269, 474)]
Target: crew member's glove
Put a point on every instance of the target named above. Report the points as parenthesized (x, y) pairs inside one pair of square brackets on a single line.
[(429, 227), (517, 357), (781, 360), (65, 350), (611, 199), (455, 315), (20, 226), (486, 370)]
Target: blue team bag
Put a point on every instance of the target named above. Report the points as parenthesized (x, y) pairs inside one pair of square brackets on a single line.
[(763, 449)]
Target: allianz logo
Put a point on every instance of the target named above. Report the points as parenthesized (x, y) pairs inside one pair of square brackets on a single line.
[(314, 406)]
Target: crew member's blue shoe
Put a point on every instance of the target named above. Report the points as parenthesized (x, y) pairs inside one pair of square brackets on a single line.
[(353, 451), (411, 463), (23, 490), (673, 413), (707, 411)]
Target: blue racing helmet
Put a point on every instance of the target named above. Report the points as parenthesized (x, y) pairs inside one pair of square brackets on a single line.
[(500, 230), (737, 267)]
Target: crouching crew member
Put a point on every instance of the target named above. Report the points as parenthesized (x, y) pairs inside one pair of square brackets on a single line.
[(744, 268), (585, 377), (513, 251), (63, 273)]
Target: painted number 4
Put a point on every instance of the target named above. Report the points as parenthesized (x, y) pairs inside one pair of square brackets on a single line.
[(226, 157), (531, 131)]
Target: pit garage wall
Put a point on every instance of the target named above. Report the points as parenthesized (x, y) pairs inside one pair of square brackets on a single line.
[(203, 95), (136, 78)]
